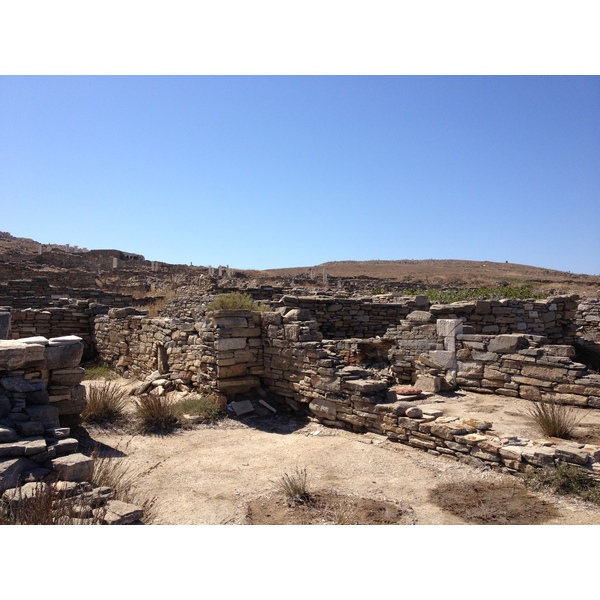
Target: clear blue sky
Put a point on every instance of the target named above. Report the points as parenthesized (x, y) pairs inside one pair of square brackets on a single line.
[(276, 171)]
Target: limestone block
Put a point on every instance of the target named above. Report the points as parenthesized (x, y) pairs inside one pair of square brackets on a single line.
[(11, 470), (420, 316), (231, 371), (25, 447), (63, 352), (427, 383), (329, 384), (449, 327), (539, 456), (15, 354), (544, 373), (238, 385), (122, 513), (365, 386), (324, 409), (74, 467), (230, 344), (507, 343)]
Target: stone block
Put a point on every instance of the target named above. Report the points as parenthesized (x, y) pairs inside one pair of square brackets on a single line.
[(324, 409), (74, 467), (63, 352), (365, 386), (11, 471), (420, 316), (25, 447), (327, 384), (46, 414), (507, 343), (67, 377), (17, 354), (427, 383), (449, 327), (122, 513), (224, 344)]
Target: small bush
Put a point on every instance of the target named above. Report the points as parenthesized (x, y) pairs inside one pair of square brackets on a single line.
[(553, 419), (101, 371), (205, 407), (105, 403), (294, 485), (156, 414), (236, 301), (564, 480)]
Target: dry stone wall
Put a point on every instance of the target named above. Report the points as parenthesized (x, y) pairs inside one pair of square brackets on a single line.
[(222, 354), (41, 397), (523, 366), (552, 318), (38, 293), (343, 318)]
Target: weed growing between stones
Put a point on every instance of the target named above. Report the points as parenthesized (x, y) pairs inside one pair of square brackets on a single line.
[(106, 403), (553, 419)]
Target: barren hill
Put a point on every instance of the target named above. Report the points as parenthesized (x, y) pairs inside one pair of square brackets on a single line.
[(453, 273), (20, 259)]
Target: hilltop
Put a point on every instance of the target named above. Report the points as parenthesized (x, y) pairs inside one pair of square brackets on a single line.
[(20, 258)]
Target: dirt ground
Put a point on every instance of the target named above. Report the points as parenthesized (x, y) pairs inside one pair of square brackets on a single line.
[(228, 473)]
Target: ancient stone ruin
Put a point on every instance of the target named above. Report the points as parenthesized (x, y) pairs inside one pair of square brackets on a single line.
[(361, 363)]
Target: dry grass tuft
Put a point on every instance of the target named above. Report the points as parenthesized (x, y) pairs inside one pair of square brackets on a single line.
[(294, 485), (554, 419), (156, 414), (106, 403)]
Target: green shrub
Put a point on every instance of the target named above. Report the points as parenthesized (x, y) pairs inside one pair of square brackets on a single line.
[(553, 419), (205, 407), (106, 403), (156, 414), (236, 301), (294, 485), (513, 292), (564, 480)]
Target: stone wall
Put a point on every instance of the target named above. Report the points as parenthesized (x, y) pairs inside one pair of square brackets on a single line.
[(38, 293), (523, 366), (41, 397), (75, 318), (552, 318), (343, 318), (221, 354)]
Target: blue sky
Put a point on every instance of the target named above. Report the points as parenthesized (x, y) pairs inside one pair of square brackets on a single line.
[(276, 171)]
